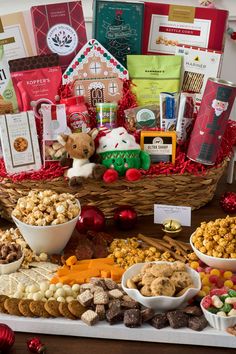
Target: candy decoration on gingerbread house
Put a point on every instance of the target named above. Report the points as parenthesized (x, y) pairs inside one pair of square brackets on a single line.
[(96, 74)]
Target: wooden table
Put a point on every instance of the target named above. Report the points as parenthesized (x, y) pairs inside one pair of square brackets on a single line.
[(76, 345)]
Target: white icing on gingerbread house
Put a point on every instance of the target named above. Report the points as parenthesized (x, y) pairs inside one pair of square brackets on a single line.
[(96, 74)]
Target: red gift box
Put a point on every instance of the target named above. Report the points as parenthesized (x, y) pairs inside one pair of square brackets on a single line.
[(166, 26), (59, 28)]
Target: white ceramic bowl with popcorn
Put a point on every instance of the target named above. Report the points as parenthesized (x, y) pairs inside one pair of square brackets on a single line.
[(161, 303), (47, 220), (215, 262)]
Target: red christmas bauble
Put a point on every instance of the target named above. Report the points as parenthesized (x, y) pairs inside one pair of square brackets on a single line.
[(7, 337), (125, 217), (91, 218), (228, 202), (233, 36), (35, 346)]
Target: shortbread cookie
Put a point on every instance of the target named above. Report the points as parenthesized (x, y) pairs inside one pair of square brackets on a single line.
[(24, 308), (11, 305), (52, 307), (37, 307), (65, 312), (162, 287), (76, 308)]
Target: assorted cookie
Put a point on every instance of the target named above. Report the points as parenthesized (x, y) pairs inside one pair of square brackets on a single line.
[(167, 279)]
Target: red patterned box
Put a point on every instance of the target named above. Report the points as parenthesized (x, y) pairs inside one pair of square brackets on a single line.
[(59, 28)]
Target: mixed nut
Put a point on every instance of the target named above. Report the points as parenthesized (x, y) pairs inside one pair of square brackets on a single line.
[(9, 252)]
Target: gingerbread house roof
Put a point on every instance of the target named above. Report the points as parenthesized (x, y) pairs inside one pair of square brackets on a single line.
[(90, 50)]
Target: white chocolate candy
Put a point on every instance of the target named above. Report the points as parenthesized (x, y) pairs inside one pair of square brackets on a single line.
[(59, 285), (61, 299), (75, 287), (60, 292), (37, 296), (44, 286), (49, 293), (52, 287), (67, 289)]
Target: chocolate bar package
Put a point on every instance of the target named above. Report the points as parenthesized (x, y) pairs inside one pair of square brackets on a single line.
[(36, 81), (59, 28)]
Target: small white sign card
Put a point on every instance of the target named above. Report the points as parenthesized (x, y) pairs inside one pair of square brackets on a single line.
[(20, 142), (182, 214)]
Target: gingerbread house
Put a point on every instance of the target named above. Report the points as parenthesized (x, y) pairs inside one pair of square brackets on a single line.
[(96, 74)]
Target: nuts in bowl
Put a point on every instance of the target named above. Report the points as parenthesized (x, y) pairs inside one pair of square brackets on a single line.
[(161, 285), (215, 243), (46, 219), (11, 257)]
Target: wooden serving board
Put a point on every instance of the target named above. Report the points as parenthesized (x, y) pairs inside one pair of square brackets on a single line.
[(146, 333)]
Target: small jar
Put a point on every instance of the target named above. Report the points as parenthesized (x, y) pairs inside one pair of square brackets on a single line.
[(106, 115), (77, 114)]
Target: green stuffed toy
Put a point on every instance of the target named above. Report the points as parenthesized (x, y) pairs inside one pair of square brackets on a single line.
[(119, 152)]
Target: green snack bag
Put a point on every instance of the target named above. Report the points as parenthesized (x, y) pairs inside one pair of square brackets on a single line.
[(152, 74), (8, 102)]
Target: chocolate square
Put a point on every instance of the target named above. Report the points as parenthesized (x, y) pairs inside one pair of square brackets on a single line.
[(160, 321), (132, 318), (197, 323), (177, 319)]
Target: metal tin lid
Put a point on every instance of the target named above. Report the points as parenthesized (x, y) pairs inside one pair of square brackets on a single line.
[(217, 80)]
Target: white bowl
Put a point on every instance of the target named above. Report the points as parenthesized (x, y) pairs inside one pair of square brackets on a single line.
[(50, 239), (11, 267), (218, 322), (160, 303), (220, 263)]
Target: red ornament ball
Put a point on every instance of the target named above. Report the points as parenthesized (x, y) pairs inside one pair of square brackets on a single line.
[(233, 36), (91, 218), (228, 202), (35, 346), (125, 217), (7, 337)]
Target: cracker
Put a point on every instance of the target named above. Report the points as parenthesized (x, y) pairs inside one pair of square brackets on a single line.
[(47, 266), (11, 306), (37, 307), (76, 308), (52, 307), (2, 300), (24, 308), (65, 312)]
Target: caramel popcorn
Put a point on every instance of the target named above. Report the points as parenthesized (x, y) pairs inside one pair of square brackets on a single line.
[(46, 208), (217, 238)]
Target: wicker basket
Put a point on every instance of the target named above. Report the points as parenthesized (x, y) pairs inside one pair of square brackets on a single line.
[(186, 189)]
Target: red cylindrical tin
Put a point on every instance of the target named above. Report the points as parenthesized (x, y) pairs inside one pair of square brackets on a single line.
[(211, 121)]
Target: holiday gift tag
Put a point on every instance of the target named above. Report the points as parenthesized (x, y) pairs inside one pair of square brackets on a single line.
[(96, 74), (59, 28), (19, 142), (182, 214), (118, 27)]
